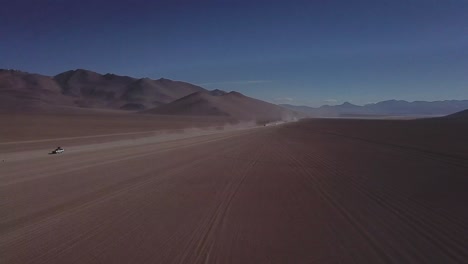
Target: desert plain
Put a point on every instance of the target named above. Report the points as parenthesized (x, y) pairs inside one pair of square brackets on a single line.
[(141, 189)]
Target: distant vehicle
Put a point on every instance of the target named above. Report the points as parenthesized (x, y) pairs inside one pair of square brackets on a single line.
[(58, 150)]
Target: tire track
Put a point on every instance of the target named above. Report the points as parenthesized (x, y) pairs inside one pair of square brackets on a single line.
[(201, 245), (85, 201), (418, 222), (35, 229), (328, 198), (90, 160), (129, 213), (8, 221), (454, 160), (451, 248)]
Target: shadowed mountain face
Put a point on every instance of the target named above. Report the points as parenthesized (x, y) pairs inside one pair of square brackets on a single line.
[(462, 115), (110, 90), (386, 108), (82, 88), (232, 104), (23, 91), (72, 90)]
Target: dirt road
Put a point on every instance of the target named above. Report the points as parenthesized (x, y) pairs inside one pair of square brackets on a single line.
[(297, 193)]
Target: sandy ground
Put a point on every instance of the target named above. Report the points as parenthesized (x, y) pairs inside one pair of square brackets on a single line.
[(32, 126), (317, 191)]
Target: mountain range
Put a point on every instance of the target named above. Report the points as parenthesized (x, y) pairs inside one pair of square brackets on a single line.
[(220, 103), (84, 89), (385, 108)]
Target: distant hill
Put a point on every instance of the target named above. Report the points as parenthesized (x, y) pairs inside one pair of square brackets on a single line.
[(219, 103), (462, 115), (87, 89), (23, 91), (80, 90), (385, 108), (114, 91)]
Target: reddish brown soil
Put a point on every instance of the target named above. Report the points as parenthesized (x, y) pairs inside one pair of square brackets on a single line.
[(39, 130), (317, 191)]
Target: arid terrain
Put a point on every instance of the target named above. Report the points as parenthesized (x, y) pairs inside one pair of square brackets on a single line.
[(140, 190), (87, 92)]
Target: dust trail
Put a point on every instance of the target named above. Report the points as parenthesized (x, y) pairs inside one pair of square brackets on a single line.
[(143, 139)]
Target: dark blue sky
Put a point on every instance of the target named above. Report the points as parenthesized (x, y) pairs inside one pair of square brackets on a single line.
[(302, 52)]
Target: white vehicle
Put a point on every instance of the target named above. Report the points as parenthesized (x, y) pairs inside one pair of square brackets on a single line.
[(58, 150)]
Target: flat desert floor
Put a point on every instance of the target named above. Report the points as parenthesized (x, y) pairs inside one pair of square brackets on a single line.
[(314, 191)]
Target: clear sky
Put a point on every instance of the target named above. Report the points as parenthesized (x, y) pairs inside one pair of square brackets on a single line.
[(301, 52)]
